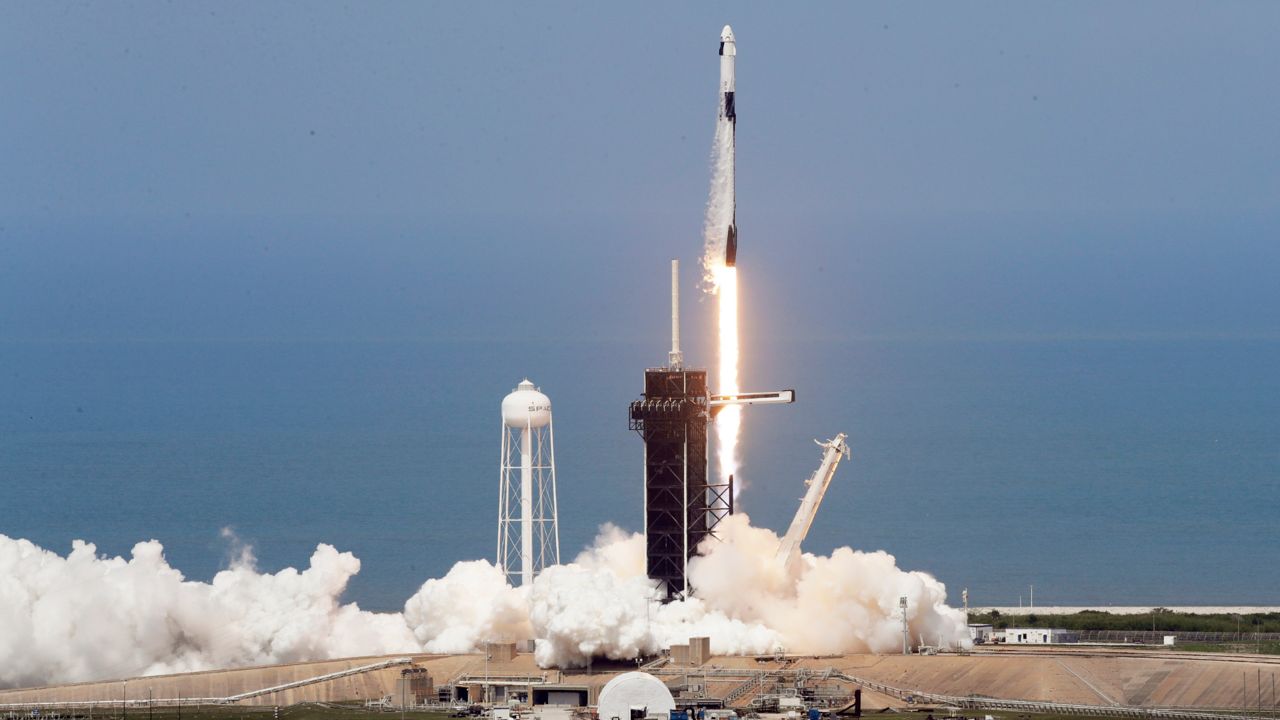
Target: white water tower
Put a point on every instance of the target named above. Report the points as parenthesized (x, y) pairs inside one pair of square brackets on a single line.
[(528, 521)]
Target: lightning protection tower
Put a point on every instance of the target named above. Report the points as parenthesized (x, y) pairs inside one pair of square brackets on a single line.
[(528, 521)]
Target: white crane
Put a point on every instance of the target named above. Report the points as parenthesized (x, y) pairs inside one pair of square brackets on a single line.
[(833, 451)]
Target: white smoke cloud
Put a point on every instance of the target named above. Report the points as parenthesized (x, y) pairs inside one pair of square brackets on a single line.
[(471, 605), (579, 613), (745, 601), (855, 593), (87, 616)]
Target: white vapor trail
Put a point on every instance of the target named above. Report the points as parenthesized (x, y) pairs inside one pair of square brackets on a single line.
[(720, 206)]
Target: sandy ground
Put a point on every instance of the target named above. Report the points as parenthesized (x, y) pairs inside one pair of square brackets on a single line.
[(1093, 676)]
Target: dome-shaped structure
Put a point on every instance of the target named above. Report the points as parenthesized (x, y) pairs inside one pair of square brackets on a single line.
[(634, 690), (526, 407)]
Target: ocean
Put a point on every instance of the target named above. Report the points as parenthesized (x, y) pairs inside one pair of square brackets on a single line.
[(1103, 471)]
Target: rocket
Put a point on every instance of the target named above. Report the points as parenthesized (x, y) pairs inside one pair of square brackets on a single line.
[(729, 117)]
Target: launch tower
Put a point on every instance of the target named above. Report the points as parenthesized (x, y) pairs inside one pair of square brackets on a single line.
[(673, 418), (681, 506)]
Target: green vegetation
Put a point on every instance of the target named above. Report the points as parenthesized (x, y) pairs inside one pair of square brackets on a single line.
[(1164, 620), (1266, 647), (336, 712)]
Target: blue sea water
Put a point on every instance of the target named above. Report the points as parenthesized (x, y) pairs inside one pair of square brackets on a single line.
[(1101, 471)]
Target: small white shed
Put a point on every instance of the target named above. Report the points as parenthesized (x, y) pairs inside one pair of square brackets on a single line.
[(1040, 636), (980, 634)]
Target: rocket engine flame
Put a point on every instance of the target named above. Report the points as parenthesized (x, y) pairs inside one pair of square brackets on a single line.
[(729, 419)]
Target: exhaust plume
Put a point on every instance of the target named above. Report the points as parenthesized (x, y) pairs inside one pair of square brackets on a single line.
[(88, 617), (85, 616)]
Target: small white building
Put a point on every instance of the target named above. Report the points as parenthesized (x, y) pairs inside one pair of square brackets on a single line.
[(981, 634), (1040, 636)]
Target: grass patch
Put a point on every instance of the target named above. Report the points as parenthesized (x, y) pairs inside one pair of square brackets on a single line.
[(1165, 621)]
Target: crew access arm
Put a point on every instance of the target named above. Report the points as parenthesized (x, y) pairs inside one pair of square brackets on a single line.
[(833, 451)]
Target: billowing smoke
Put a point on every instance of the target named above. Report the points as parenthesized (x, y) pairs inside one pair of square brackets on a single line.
[(603, 605), (472, 604), (86, 616)]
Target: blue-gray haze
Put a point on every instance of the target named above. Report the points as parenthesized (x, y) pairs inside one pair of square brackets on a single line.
[(273, 265)]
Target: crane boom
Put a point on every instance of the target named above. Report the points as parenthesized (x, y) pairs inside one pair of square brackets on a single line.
[(834, 450)]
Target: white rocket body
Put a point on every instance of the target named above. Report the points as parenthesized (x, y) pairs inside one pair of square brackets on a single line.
[(729, 117), (728, 55)]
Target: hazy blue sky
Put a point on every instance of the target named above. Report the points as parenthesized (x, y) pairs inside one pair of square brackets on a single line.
[(325, 170), (253, 255)]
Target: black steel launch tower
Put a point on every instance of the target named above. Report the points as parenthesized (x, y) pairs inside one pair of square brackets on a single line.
[(673, 418)]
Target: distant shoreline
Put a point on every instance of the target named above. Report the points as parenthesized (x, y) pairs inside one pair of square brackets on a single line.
[(1128, 609)]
